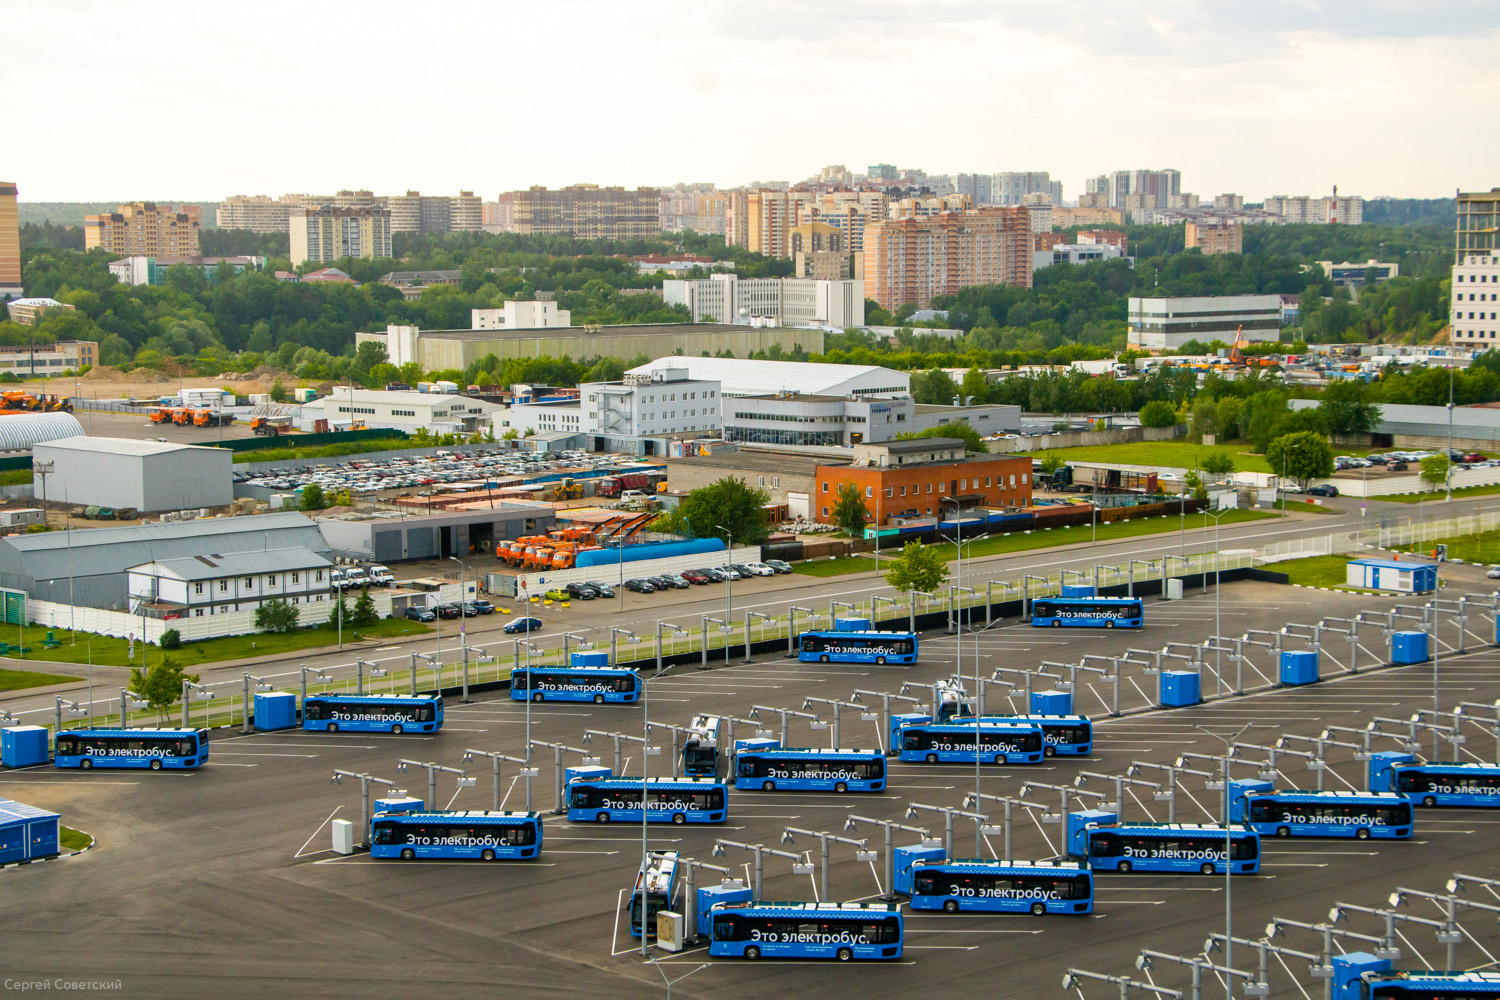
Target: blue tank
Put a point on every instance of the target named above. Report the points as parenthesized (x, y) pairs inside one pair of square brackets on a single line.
[(649, 550)]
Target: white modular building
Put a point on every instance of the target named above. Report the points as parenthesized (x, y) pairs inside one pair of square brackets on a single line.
[(1164, 325), (743, 377), (123, 472), (728, 298), (440, 413), (219, 584)]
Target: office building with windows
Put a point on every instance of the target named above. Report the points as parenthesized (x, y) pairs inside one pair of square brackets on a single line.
[(146, 229), (1164, 325)]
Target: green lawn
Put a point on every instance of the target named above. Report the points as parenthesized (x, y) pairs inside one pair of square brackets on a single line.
[(1315, 571), (1038, 539), (1175, 454), (111, 652), (1482, 547), (73, 840), (15, 477), (17, 680), (1463, 491), (1303, 507)]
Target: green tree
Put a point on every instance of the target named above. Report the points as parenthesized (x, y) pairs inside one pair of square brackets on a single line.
[(959, 429), (1305, 455), (1219, 462), (364, 609), (313, 498), (339, 613), (276, 615), (730, 503), (278, 391), (918, 567), (1435, 470), (1192, 484), (1346, 406), (1158, 413), (849, 512), (974, 385), (1051, 462), (160, 684)]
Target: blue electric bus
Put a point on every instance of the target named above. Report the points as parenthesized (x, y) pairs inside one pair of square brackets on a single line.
[(844, 931), (373, 713), (953, 743), (1062, 735), (1440, 784), (461, 836), (1361, 815), (812, 770), (595, 684), (148, 748), (1099, 612), (700, 752), (618, 800), (857, 647), (1429, 986), (657, 881), (978, 885), (1172, 847)]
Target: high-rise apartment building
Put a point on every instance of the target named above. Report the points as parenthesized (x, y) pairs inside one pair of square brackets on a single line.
[(10, 242), (415, 212), (1212, 238), (1153, 188), (589, 212), (769, 215), (330, 233), (144, 229), (257, 213), (1478, 223), (910, 260), (1348, 210), (1012, 186)]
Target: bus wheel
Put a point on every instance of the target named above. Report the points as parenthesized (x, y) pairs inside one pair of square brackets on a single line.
[(1363, 833), (932, 758), (1057, 624), (1049, 752), (1110, 623), (1123, 866), (333, 727), (840, 787), (880, 660), (1206, 868), (1429, 801), (768, 786), (602, 818), (86, 764), (845, 954), (156, 765), (1282, 831), (752, 952), (1038, 909), (486, 855), (537, 696), (407, 854), (950, 906), (397, 730), (823, 658), (679, 818), (598, 699)]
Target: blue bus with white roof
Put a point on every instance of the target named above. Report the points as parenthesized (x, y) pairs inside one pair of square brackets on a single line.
[(1096, 612), (955, 743), (857, 647), (1440, 784), (1171, 847), (458, 836), (1062, 735), (843, 931), (1291, 813), (980, 885), (153, 749), (373, 713), (618, 800), (600, 685), (1429, 986), (810, 770)]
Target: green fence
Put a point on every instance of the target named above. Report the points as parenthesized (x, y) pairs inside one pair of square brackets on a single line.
[(303, 440)]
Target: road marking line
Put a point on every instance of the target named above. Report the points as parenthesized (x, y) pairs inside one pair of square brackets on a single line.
[(309, 840)]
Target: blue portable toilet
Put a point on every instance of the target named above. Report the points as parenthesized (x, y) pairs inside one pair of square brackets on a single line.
[(1179, 688), (26, 832), (586, 772), (23, 746), (1299, 666), (903, 858), (1349, 967), (905, 719), (275, 710), (1382, 773), (1237, 792), (1077, 590), (406, 804), (1408, 647), (1051, 703), (851, 624), (589, 658), (1078, 823), (709, 895)]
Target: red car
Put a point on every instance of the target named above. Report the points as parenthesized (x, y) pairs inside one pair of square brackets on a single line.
[(1474, 456), (694, 576)]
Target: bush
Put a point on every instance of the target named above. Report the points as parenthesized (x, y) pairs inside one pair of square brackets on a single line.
[(171, 639), (1158, 413)]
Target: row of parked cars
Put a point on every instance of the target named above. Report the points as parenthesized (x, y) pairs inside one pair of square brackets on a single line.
[(1400, 461), (706, 575), (371, 474), (447, 612), (354, 577)]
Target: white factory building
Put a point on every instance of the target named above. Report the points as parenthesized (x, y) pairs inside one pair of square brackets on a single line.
[(728, 298), (520, 316), (1073, 253), (743, 377), (405, 411), (1162, 326), (123, 472), (622, 416), (793, 418)]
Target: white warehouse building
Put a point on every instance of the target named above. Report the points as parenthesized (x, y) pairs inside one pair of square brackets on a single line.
[(743, 377), (215, 584), (405, 411), (123, 472), (1164, 325)]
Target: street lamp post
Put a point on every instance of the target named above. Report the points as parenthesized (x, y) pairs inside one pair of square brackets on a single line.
[(260, 685), (1228, 742), (728, 579), (791, 631), (890, 827), (749, 616), (432, 768)]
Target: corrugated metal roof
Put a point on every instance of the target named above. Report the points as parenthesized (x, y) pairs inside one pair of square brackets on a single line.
[(20, 431), (215, 565), (163, 533), (124, 446), (744, 377)]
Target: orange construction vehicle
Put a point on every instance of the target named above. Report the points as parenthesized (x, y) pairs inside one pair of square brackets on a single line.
[(182, 415), (161, 415), (202, 418)]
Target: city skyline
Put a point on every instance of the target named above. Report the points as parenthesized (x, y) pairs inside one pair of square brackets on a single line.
[(1259, 99)]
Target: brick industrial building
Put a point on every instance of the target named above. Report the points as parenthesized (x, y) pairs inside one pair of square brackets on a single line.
[(917, 477)]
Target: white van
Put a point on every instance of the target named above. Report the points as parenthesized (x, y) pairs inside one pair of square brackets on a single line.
[(633, 496), (380, 576), (354, 576)]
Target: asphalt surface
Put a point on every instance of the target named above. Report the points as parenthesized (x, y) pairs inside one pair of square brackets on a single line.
[(219, 882)]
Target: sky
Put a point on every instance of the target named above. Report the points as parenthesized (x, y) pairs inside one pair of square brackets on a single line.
[(171, 100)]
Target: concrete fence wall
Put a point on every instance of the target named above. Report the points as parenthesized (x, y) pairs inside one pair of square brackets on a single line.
[(1084, 439)]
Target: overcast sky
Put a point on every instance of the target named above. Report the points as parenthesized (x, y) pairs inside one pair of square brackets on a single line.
[(118, 99)]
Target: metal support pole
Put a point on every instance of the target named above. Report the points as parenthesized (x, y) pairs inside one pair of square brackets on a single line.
[(889, 895)]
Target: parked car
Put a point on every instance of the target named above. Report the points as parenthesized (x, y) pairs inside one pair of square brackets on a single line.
[(696, 576), (448, 611), (744, 570), (760, 569), (714, 573), (1396, 466), (667, 581), (420, 614), (1474, 456), (469, 610), (779, 566), (523, 625), (1377, 459), (640, 586), (602, 589), (556, 594), (1494, 573), (380, 576), (483, 607), (1323, 491), (581, 591)]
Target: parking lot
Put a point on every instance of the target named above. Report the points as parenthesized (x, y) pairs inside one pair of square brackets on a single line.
[(219, 882)]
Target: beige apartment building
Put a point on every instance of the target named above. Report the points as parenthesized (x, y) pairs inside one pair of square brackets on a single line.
[(330, 233), (415, 212), (257, 213), (588, 211), (10, 242), (1474, 233), (1215, 239), (911, 260), (144, 229)]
